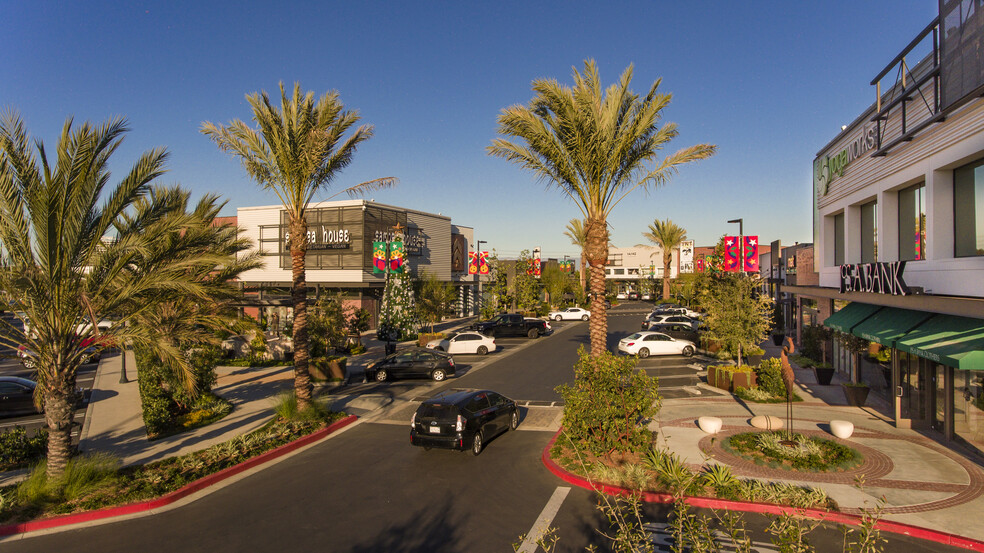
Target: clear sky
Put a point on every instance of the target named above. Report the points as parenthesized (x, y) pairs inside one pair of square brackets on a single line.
[(770, 83)]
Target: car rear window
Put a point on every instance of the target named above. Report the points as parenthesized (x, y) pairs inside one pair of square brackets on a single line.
[(437, 411)]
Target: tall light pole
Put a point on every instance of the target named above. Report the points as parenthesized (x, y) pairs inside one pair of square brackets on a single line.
[(741, 242), (478, 253)]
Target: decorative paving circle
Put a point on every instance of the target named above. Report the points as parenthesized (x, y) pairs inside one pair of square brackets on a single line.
[(875, 467)]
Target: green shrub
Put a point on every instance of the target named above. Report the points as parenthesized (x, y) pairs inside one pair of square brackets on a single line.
[(607, 407), (82, 475), (159, 407), (18, 450), (811, 454), (814, 340), (769, 374), (286, 410)]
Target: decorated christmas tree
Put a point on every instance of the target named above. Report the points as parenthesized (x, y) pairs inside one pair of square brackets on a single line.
[(398, 317)]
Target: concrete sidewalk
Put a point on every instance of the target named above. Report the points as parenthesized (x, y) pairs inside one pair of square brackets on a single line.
[(924, 483)]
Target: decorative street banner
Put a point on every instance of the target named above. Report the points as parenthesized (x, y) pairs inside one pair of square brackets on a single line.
[(473, 263), (483, 263), (732, 254), (396, 257), (699, 264), (751, 254), (378, 257), (535, 263), (713, 264), (687, 256)]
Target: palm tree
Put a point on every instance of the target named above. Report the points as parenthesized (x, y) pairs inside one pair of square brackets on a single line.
[(596, 147), (575, 231), (297, 151), (68, 261), (667, 235)]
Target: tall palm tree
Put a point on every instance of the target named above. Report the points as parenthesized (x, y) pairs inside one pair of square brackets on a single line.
[(575, 231), (67, 260), (297, 151), (667, 235), (596, 147)]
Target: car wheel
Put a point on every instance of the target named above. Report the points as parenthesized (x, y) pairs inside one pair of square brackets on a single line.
[(381, 375), (533, 333), (439, 375), (643, 353), (514, 421), (558, 318), (688, 351), (584, 317), (482, 350), (477, 443)]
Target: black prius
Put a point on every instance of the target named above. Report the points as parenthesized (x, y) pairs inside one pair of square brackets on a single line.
[(462, 419)]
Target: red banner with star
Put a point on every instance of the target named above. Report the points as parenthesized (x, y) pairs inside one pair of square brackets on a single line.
[(732, 254), (751, 262)]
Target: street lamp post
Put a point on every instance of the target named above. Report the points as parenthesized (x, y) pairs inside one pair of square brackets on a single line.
[(741, 242), (478, 253)]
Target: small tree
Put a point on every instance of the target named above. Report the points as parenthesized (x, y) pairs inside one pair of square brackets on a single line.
[(359, 323), (496, 296), (556, 283), (328, 325), (434, 298), (526, 286), (398, 316), (736, 314), (607, 407)]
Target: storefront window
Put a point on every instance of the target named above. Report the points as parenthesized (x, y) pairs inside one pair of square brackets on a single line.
[(968, 210), (869, 232), (912, 223), (839, 239), (968, 408)]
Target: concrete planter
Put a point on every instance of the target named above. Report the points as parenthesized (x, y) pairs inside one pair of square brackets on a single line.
[(856, 395), (824, 375)]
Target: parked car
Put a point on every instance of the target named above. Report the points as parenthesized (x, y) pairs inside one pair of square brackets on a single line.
[(570, 314), (648, 343), (17, 395), (512, 324), (654, 318), (683, 331), (462, 419), (410, 363), (632, 295), (92, 349), (464, 342)]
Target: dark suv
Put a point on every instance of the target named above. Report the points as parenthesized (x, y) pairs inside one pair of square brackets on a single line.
[(412, 362), (462, 419), (685, 331)]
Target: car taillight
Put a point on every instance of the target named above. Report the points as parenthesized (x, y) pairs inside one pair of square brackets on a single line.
[(413, 420), (459, 425), (630, 344), (450, 361)]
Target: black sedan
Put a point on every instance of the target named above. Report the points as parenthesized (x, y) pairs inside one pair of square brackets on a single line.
[(462, 419), (412, 363), (17, 395)]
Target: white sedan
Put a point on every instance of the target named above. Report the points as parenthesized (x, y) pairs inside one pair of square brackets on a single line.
[(464, 342), (570, 314), (649, 343)]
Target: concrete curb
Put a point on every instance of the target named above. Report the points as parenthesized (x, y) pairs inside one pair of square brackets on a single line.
[(181, 493), (764, 508)]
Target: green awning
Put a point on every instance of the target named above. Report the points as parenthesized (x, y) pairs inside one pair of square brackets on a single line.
[(850, 315), (948, 339), (890, 324)]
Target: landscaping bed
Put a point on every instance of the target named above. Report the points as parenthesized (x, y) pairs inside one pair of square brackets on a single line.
[(96, 482), (808, 455)]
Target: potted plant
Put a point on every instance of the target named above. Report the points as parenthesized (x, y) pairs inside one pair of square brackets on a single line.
[(856, 393), (755, 355), (778, 325), (824, 373)]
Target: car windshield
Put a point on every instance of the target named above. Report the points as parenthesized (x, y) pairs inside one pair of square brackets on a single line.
[(437, 411)]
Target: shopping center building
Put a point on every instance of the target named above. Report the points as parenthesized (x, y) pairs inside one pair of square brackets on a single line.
[(340, 250), (899, 234)]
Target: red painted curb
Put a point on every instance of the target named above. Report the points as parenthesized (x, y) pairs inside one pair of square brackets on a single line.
[(765, 508), (184, 491)]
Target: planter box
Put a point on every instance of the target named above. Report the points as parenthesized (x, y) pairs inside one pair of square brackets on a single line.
[(713, 346), (824, 376), (777, 339), (856, 395), (324, 369), (730, 381), (755, 360)]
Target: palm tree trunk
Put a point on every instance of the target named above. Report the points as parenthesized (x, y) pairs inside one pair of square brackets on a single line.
[(596, 232), (666, 275), (59, 410), (298, 292)]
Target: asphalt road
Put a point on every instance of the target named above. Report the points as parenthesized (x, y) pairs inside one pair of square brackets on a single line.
[(367, 490)]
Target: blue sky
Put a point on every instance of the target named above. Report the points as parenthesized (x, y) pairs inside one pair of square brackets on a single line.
[(770, 83)]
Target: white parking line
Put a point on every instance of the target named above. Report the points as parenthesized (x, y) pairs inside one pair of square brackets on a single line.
[(542, 523)]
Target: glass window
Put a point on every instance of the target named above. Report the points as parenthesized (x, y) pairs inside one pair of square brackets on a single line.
[(839, 239), (912, 223), (968, 210), (869, 232), (968, 408), (619, 271)]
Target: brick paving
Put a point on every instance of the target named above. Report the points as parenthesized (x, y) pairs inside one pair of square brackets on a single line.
[(875, 466)]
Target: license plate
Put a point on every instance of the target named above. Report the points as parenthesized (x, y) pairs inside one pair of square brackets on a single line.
[(434, 429)]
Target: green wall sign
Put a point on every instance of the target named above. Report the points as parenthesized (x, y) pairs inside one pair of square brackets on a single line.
[(827, 168)]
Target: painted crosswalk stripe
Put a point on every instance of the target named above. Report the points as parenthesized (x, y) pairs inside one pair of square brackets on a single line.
[(543, 522)]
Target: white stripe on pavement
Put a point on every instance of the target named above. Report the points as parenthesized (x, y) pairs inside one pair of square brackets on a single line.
[(542, 523)]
